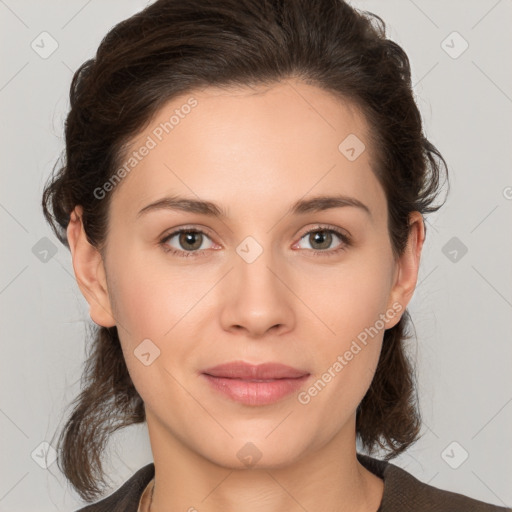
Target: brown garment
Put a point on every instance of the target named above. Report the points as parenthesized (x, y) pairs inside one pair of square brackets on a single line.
[(402, 493)]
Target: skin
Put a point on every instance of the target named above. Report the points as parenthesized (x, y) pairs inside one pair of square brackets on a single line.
[(254, 151)]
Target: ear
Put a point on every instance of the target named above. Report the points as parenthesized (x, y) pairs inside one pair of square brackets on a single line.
[(406, 272), (89, 271)]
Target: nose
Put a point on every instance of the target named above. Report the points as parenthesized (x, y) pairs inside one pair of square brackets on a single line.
[(257, 298)]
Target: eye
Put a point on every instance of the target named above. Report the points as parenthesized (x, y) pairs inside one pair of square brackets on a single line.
[(321, 239), (188, 242)]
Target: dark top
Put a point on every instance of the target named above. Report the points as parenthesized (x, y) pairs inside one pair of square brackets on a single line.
[(402, 493)]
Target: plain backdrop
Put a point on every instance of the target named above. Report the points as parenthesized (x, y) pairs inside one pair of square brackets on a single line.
[(459, 51)]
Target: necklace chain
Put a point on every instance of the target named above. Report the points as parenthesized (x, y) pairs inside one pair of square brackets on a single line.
[(143, 507), (151, 497)]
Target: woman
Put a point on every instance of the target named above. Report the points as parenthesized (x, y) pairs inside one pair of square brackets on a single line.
[(243, 198)]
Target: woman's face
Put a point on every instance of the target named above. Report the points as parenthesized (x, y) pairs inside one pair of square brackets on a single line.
[(253, 285)]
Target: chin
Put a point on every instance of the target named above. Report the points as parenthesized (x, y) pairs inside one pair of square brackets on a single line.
[(256, 452)]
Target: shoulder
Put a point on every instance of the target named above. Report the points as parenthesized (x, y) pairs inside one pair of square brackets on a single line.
[(403, 492), (126, 498)]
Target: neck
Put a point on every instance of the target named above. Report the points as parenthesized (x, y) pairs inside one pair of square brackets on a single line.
[(329, 479)]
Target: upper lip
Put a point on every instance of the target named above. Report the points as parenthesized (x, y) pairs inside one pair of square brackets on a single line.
[(243, 370)]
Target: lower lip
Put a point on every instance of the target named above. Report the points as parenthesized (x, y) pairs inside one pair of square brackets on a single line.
[(255, 393)]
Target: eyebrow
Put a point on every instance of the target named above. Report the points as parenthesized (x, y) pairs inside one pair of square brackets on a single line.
[(302, 206)]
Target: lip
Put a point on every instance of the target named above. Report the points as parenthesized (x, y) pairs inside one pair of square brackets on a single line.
[(246, 371), (255, 384)]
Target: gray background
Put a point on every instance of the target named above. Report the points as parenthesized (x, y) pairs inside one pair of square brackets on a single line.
[(461, 308)]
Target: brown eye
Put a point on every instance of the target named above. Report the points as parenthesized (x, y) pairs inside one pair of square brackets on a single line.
[(322, 239), (188, 242)]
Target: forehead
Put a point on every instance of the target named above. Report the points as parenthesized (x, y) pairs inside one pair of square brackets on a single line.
[(248, 146)]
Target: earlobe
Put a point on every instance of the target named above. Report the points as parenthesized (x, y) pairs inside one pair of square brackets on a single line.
[(89, 271), (406, 274)]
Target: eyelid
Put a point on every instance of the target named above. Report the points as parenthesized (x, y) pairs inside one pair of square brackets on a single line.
[(328, 227), (169, 233)]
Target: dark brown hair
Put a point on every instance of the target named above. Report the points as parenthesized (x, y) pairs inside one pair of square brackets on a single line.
[(174, 47)]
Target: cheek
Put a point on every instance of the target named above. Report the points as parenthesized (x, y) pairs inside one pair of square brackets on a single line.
[(156, 302), (150, 298), (352, 297), (346, 360), (351, 302), (149, 307)]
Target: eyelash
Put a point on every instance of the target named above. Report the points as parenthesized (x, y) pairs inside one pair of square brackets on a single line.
[(346, 242)]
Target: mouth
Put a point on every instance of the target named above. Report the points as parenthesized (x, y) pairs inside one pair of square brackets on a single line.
[(255, 384), (247, 371)]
